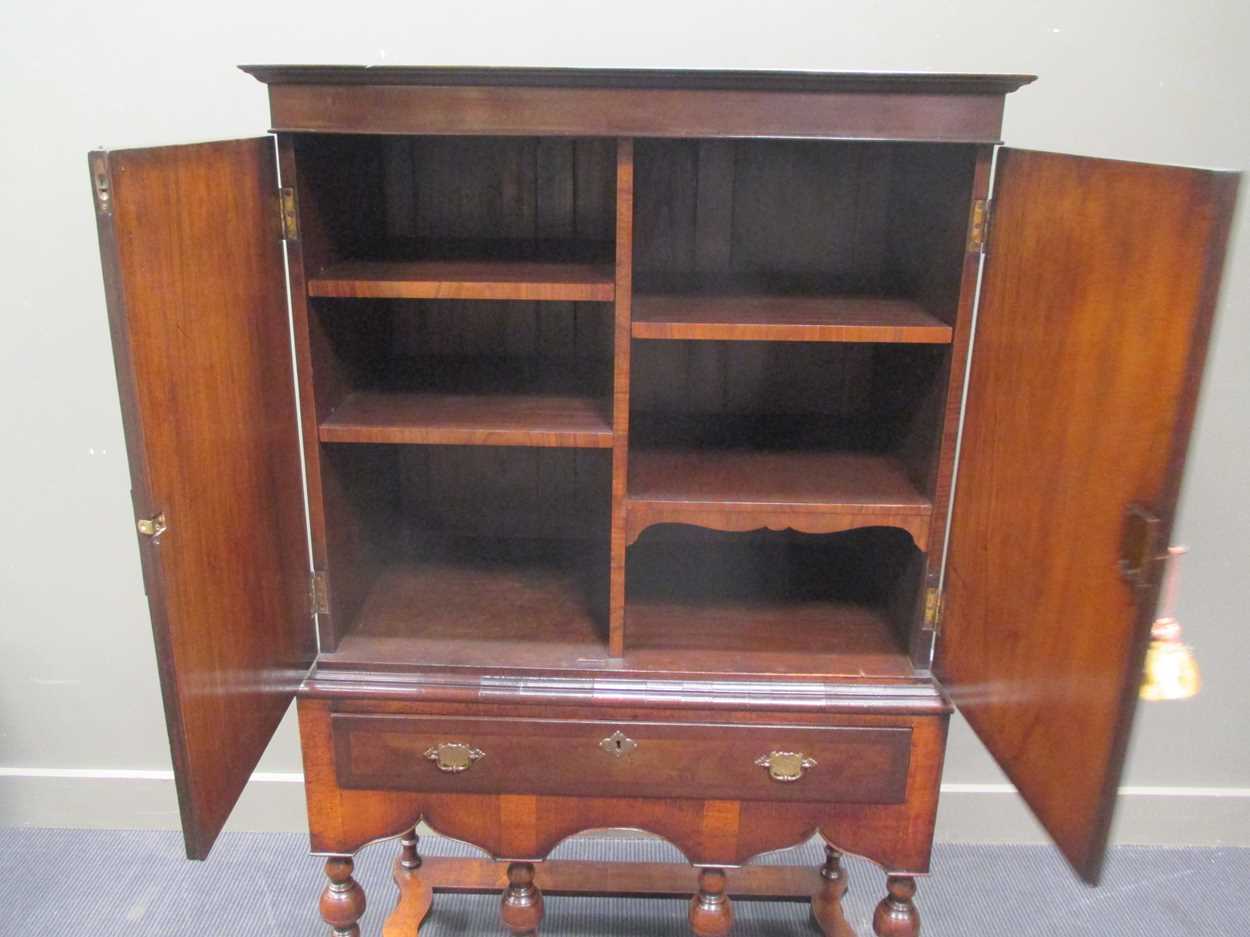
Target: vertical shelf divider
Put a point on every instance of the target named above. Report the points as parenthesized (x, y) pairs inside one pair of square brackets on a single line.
[(620, 389)]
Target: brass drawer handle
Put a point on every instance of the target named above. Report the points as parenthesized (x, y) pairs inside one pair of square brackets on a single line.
[(453, 757), (786, 766), (618, 744)]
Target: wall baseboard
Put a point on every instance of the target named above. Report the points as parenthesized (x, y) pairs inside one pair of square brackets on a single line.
[(274, 802)]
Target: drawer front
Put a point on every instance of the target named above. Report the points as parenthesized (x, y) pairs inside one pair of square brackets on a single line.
[(848, 764)]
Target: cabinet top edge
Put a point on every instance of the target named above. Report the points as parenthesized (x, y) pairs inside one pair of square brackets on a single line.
[(641, 78)]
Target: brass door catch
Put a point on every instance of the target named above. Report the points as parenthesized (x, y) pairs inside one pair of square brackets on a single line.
[(786, 766), (453, 757), (152, 527), (1139, 551), (618, 744)]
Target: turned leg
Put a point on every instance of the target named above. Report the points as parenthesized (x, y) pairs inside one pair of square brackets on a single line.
[(522, 904), (343, 901), (409, 858), (827, 903), (896, 915), (711, 912), (415, 893)]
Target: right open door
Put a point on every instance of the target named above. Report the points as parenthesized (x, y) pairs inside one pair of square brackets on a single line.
[(1095, 311)]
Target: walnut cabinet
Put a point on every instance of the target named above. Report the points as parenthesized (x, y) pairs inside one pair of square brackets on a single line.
[(579, 448)]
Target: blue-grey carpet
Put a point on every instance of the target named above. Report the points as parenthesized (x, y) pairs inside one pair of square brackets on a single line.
[(137, 884)]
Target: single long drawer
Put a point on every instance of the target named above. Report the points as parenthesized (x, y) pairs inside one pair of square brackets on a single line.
[(849, 764)]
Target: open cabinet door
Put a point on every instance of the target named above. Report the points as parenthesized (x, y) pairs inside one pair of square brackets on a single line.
[(191, 248), (1095, 311)]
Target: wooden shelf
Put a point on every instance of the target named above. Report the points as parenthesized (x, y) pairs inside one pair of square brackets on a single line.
[(795, 638), (738, 489), (499, 606), (477, 269), (478, 402), (470, 420), (481, 603), (777, 318)]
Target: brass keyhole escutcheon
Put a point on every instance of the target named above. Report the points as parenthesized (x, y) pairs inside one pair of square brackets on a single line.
[(618, 744), (786, 766), (453, 757)]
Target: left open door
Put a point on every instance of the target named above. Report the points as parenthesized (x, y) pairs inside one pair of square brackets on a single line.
[(191, 248)]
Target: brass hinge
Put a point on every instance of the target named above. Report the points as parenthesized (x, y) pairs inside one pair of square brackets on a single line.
[(979, 226), (289, 213), (101, 184), (932, 609), (318, 594), (152, 527)]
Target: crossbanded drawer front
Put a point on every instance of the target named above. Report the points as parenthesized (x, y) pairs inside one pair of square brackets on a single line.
[(849, 764)]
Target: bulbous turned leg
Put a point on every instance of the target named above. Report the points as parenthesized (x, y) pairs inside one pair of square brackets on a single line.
[(711, 912), (343, 901), (896, 915), (522, 904), (827, 903)]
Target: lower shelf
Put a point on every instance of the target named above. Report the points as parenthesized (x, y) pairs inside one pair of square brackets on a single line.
[(800, 638), (505, 606), (482, 604)]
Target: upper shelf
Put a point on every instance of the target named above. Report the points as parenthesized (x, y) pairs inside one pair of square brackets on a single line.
[(477, 402), (761, 317), (464, 279), (480, 270)]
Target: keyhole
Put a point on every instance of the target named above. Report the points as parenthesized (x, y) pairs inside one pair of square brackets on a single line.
[(619, 746)]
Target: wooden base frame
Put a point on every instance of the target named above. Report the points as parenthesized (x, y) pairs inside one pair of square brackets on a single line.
[(523, 886)]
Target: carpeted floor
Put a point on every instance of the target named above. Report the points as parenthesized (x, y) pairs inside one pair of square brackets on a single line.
[(110, 884)]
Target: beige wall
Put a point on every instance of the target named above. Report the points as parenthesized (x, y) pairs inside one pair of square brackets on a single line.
[(78, 695)]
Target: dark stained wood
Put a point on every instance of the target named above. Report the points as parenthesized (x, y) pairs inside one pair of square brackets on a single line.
[(853, 765), (629, 112), (482, 604), (632, 879), (499, 492), (735, 636), (621, 358), (686, 78), (813, 491), (508, 608), (785, 319), (950, 287), (416, 896), (322, 381), (198, 317), (464, 279), (504, 419), (827, 911), (581, 877), (711, 910), (896, 915), (897, 836), (745, 575), (1095, 313), (521, 905), (343, 901)]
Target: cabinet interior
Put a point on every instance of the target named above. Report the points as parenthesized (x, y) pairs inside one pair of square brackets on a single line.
[(722, 460)]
